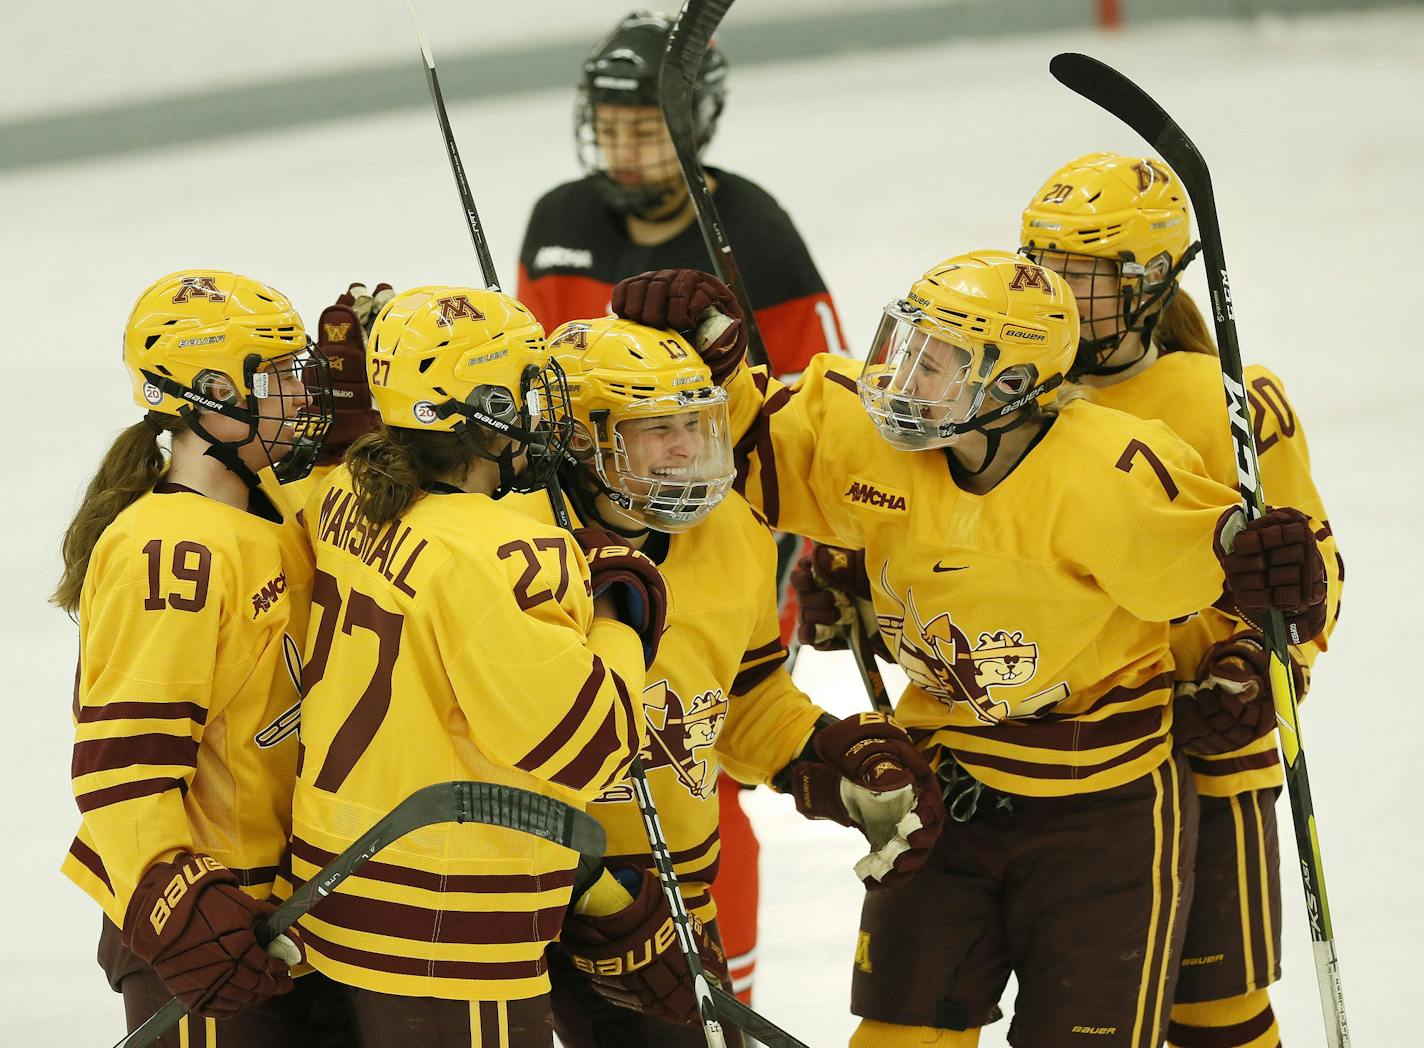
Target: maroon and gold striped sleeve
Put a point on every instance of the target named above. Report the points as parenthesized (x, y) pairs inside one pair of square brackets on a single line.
[(587, 724)]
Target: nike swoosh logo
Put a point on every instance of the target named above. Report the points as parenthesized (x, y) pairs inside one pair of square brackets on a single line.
[(940, 567)]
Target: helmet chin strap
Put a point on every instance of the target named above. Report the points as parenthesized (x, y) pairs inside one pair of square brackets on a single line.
[(225, 451), (584, 491), (993, 438)]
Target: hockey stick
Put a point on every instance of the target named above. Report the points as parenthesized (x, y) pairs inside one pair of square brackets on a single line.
[(485, 803), (1112, 91), (687, 46), (858, 636), (467, 200)]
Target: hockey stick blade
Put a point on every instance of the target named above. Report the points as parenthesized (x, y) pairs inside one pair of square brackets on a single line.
[(1106, 87), (488, 804), (743, 1018)]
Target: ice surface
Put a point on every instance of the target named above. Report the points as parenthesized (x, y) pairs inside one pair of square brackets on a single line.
[(888, 163)]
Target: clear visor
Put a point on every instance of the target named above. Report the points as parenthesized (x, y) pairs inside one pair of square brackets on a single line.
[(923, 380), (671, 460)]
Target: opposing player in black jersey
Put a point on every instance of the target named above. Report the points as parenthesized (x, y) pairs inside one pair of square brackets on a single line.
[(631, 213)]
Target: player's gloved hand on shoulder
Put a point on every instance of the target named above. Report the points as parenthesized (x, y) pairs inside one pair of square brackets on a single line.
[(691, 302), (341, 335), (833, 596), (867, 773), (630, 918), (632, 580), (1275, 562), (190, 921), (1229, 705)]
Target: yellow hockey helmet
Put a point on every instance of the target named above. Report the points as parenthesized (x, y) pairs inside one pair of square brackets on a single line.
[(469, 361), (650, 427), (1119, 229), (204, 340), (985, 326)]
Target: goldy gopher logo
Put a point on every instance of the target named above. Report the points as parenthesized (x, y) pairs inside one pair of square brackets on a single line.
[(939, 658), (677, 733)]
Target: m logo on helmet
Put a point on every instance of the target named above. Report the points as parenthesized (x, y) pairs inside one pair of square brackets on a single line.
[(455, 307), (574, 336), (1148, 173), (1026, 276), (198, 287)]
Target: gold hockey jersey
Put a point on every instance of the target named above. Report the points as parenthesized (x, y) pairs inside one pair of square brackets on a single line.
[(717, 695), (1184, 390), (186, 698), (458, 642), (1032, 620)]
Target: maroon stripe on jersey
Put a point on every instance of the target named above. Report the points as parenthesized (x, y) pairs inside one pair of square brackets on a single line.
[(766, 455), (774, 647), (687, 855), (90, 860), (1325, 531), (127, 791), (1115, 696), (125, 751), (1074, 735), (1235, 765), (842, 380), (1034, 770), (436, 882), (422, 924), (566, 728), (742, 452), (580, 771), (435, 969), (748, 679), (144, 711)]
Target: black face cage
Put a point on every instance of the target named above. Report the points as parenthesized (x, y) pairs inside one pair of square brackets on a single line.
[(539, 426), (302, 409), (1130, 285), (707, 101)]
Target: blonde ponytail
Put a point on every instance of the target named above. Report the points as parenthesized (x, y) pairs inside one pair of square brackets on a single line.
[(1182, 328), (131, 468), (390, 467)]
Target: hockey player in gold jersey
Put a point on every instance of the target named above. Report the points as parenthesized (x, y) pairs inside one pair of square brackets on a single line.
[(1119, 230), (1024, 558), (456, 638), (192, 595), (654, 464)]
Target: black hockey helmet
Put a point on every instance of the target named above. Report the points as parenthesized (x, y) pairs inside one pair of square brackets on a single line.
[(622, 69)]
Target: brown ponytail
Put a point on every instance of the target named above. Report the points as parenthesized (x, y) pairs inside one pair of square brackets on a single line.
[(131, 468), (391, 466), (1182, 329)]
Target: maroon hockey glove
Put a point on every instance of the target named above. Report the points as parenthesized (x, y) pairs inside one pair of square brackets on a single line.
[(194, 925), (679, 299), (1275, 562), (632, 580), (832, 593), (633, 959), (1229, 705), (870, 775), (341, 336)]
